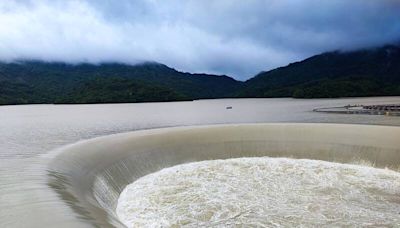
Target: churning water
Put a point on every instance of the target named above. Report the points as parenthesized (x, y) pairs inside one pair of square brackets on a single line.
[(263, 192)]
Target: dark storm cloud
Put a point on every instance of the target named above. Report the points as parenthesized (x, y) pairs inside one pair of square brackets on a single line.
[(233, 37)]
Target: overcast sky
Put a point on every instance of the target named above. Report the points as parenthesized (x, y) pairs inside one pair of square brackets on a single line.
[(235, 37)]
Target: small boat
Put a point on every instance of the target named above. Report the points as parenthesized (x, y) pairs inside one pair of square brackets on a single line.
[(229, 107)]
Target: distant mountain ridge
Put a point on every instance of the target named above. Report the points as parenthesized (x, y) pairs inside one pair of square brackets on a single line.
[(42, 82), (369, 72)]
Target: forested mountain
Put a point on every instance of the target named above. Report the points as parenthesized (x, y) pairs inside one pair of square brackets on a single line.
[(42, 82), (119, 90), (369, 72)]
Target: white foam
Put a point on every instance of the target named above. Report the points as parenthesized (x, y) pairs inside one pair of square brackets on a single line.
[(263, 192)]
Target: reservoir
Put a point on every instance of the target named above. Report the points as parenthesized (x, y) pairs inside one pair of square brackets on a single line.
[(35, 176)]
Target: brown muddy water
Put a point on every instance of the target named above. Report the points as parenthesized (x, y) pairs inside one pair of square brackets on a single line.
[(79, 186)]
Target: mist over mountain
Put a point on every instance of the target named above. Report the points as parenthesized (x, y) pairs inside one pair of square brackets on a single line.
[(231, 37), (366, 72)]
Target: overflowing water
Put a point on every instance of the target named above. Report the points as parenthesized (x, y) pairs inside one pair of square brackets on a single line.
[(263, 192)]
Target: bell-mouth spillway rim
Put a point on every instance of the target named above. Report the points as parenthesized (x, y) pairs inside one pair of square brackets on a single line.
[(89, 175), (142, 132)]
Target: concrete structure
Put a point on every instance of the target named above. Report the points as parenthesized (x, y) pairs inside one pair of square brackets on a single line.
[(90, 175), (388, 110)]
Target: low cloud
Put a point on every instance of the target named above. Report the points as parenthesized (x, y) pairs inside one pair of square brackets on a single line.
[(233, 37)]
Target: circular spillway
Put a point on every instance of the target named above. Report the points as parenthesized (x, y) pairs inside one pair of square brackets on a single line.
[(90, 176)]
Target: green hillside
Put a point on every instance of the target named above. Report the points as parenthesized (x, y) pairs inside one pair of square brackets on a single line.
[(119, 90), (41, 82), (370, 72)]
